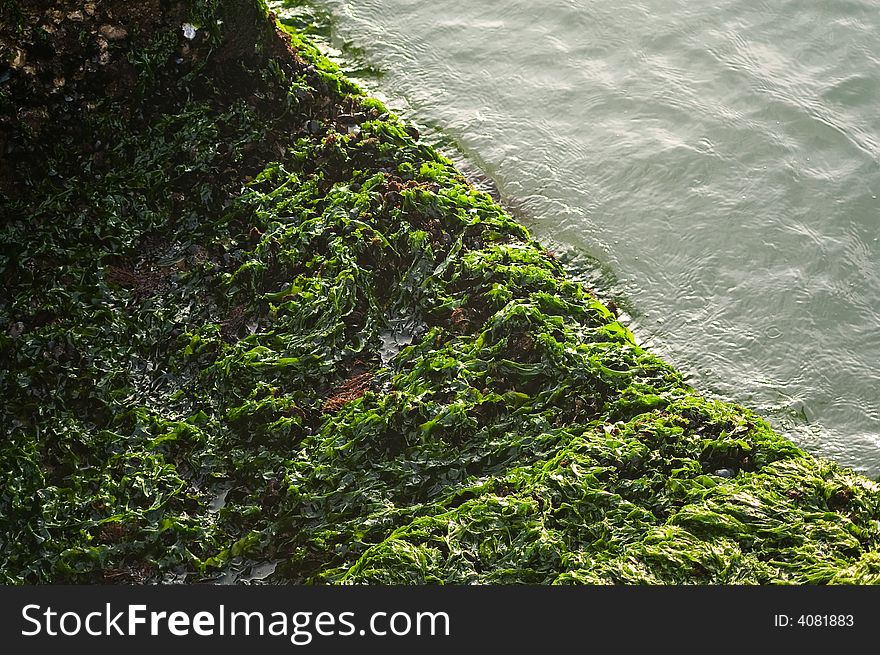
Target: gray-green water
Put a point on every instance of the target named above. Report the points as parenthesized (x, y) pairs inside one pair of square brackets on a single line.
[(721, 160)]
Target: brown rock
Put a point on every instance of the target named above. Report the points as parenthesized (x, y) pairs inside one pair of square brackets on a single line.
[(113, 32)]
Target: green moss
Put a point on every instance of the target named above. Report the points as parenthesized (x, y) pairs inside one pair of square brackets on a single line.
[(357, 366), (11, 16)]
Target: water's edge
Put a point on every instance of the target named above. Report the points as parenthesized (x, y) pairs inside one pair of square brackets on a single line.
[(726, 172)]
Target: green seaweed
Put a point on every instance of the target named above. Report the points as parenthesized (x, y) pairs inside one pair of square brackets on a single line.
[(338, 356)]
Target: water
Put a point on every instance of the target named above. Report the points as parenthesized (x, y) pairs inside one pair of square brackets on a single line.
[(720, 160)]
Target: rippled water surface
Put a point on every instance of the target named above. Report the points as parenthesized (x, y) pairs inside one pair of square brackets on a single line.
[(720, 160)]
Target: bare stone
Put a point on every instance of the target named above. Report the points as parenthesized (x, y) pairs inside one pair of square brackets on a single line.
[(19, 59), (113, 32)]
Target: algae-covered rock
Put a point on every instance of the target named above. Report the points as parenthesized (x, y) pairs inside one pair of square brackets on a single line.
[(249, 318)]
